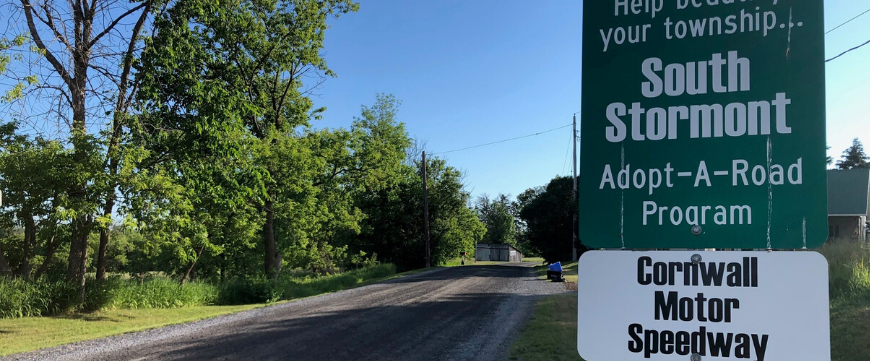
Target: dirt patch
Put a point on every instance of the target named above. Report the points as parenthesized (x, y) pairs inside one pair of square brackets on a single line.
[(570, 286)]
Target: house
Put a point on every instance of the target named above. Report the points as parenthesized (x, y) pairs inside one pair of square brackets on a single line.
[(848, 199), (497, 252)]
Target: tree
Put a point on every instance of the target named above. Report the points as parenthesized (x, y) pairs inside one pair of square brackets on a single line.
[(548, 217), (239, 68), (393, 227), (854, 157), (31, 169), (520, 226), (78, 74), (496, 216), (829, 159)]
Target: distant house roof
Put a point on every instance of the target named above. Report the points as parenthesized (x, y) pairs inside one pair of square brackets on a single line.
[(847, 192)]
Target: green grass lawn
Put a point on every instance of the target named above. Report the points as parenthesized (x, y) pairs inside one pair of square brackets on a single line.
[(32, 333), (850, 330), (551, 334)]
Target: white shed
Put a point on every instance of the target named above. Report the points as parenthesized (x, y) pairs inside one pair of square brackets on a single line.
[(497, 252)]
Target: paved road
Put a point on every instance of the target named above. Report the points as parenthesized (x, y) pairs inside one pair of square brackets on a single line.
[(460, 313)]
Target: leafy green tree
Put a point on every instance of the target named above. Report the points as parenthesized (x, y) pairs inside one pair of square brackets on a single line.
[(393, 227), (31, 170), (521, 228), (364, 159), (76, 82), (548, 217), (854, 157), (497, 217), (240, 66), (829, 159)]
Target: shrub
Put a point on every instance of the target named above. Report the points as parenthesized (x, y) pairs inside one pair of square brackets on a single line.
[(309, 286), (19, 298), (44, 298), (249, 290)]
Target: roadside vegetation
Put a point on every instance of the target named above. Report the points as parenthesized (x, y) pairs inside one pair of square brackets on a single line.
[(33, 333), (145, 184), (551, 334), (46, 298), (849, 264), (23, 334)]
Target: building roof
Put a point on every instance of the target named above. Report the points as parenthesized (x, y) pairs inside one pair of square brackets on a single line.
[(847, 192), (495, 245)]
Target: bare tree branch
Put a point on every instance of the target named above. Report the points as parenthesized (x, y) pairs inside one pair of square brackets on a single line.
[(28, 13), (118, 19)]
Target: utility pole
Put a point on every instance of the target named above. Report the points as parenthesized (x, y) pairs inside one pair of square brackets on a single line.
[(426, 209), (574, 196)]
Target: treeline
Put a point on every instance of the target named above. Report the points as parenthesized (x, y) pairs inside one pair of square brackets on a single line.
[(538, 222), (177, 136)]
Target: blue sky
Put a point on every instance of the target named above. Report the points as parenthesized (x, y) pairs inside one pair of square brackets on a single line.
[(473, 72)]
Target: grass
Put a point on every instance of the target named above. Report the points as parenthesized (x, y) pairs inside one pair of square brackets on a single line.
[(288, 287), (850, 330), (569, 271), (849, 264), (551, 334), (159, 292), (537, 260), (32, 333)]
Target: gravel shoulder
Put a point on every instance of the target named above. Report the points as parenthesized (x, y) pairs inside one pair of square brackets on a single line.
[(459, 313)]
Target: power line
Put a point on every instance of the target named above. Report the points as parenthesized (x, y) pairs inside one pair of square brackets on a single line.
[(503, 140), (847, 21), (844, 53)]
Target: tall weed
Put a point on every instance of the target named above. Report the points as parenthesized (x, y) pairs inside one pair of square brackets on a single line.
[(152, 293), (849, 267), (20, 298), (292, 285)]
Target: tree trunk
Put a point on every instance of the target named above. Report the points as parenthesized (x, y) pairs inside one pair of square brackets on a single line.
[(192, 263), (223, 266), (104, 237), (273, 257), (49, 256), (5, 271), (78, 257), (24, 268)]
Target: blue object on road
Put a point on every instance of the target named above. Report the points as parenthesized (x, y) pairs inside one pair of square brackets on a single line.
[(556, 267)]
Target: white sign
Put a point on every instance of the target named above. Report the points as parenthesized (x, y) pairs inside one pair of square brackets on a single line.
[(726, 306)]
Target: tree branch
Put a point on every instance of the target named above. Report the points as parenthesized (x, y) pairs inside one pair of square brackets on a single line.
[(118, 19), (31, 26), (49, 21)]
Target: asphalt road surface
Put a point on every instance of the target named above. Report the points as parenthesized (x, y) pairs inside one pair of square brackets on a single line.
[(459, 313)]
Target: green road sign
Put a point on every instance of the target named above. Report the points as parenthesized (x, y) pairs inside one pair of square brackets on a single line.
[(703, 124)]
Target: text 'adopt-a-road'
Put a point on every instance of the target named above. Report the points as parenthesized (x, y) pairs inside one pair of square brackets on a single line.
[(703, 127)]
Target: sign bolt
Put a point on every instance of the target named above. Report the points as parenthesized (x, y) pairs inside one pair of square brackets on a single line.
[(696, 357), (696, 258), (696, 230)]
